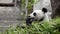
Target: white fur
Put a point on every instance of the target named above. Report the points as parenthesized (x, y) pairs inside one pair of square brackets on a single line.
[(41, 14), (47, 16)]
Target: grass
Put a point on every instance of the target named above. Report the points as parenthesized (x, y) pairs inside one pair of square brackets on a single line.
[(52, 27)]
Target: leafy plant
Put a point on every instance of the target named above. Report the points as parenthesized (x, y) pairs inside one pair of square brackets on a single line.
[(52, 27)]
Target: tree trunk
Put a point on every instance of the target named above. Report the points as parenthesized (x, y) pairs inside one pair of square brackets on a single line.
[(55, 8)]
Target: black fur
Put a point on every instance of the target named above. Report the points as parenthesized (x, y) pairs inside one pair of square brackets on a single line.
[(44, 10), (34, 14), (29, 20)]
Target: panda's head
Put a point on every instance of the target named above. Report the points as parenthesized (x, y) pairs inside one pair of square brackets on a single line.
[(38, 14)]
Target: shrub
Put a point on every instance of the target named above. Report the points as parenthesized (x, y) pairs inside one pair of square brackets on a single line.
[(52, 27)]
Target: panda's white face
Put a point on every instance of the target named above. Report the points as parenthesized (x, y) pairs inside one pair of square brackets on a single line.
[(37, 14)]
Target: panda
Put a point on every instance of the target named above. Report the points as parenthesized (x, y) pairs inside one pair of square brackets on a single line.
[(38, 15)]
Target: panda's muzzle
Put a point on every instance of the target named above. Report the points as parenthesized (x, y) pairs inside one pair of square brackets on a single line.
[(29, 20)]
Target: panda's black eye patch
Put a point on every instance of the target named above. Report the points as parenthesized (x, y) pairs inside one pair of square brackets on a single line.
[(34, 14)]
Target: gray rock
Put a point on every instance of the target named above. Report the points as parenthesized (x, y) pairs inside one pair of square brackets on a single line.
[(43, 4)]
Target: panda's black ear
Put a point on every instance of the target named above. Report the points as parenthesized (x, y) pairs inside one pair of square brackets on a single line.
[(44, 10), (34, 14)]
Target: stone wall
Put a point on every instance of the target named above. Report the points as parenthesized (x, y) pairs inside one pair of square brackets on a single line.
[(9, 13), (6, 1)]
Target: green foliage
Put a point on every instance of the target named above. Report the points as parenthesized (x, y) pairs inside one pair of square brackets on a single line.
[(23, 3), (30, 4), (52, 27)]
